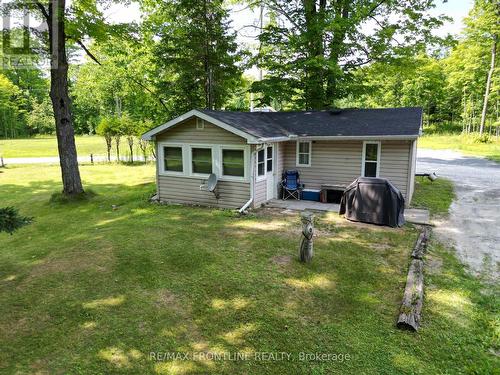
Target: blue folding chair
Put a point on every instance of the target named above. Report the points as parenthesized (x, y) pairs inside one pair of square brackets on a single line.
[(290, 185)]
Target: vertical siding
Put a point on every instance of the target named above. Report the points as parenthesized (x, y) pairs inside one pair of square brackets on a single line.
[(186, 190), (339, 162)]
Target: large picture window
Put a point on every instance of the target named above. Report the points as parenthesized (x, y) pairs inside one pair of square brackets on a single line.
[(201, 159), (303, 154), (233, 163), (371, 159), (172, 157)]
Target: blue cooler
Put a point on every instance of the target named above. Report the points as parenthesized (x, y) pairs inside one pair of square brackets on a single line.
[(311, 195)]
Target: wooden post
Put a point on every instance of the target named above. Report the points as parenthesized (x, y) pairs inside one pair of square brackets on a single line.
[(306, 244)]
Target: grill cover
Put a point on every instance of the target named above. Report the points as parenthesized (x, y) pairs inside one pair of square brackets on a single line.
[(373, 200)]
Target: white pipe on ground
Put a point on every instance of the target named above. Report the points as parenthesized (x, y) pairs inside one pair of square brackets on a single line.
[(252, 163)]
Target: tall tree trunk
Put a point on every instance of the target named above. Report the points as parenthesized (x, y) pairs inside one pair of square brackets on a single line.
[(61, 102), (488, 85), (314, 86), (336, 50)]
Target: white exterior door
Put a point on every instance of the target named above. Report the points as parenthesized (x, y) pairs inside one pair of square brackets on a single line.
[(270, 172)]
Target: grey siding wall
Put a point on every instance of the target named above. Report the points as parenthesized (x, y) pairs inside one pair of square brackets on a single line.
[(186, 190), (339, 162), (412, 171), (394, 163), (187, 133), (331, 163), (280, 159), (260, 193)]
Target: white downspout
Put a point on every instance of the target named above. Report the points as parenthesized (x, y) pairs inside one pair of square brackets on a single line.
[(252, 183)]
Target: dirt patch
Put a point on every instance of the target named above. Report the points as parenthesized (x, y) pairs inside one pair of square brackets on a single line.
[(282, 260), (73, 262), (380, 246), (165, 298)]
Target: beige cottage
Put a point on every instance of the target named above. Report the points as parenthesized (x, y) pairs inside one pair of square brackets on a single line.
[(248, 152)]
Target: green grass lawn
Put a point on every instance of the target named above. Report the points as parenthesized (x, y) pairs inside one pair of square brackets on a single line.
[(47, 146), (92, 289), (434, 195), (463, 144)]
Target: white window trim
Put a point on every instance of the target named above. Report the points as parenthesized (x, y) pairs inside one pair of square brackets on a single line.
[(190, 160), (271, 158), (246, 158), (187, 161), (161, 160), (363, 156), (297, 153), (264, 176)]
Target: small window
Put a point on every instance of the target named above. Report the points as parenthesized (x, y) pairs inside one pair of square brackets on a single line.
[(233, 163), (269, 159), (200, 123), (261, 162), (201, 160), (172, 157), (304, 154), (371, 154)]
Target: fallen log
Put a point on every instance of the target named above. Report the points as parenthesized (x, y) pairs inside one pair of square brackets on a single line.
[(411, 307), (413, 297), (421, 244)]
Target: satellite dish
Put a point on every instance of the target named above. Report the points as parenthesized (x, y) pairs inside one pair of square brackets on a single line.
[(211, 182), (210, 185)]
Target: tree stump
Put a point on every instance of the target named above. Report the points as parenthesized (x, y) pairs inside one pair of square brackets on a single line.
[(306, 244)]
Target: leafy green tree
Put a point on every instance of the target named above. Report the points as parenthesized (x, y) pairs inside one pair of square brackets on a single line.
[(197, 59), (10, 108), (129, 130), (141, 128), (119, 81), (40, 120), (311, 48), (105, 130), (66, 25), (469, 64)]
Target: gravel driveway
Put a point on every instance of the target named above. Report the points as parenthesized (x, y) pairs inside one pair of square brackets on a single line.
[(474, 222)]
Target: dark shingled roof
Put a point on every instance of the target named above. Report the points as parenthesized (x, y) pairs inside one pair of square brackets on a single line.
[(403, 122)]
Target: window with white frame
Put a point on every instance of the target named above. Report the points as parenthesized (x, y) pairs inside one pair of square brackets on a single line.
[(303, 153), (172, 159), (269, 159), (201, 160), (233, 162), (371, 159), (261, 162)]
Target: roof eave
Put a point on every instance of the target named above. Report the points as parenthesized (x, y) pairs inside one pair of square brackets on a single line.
[(340, 138)]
